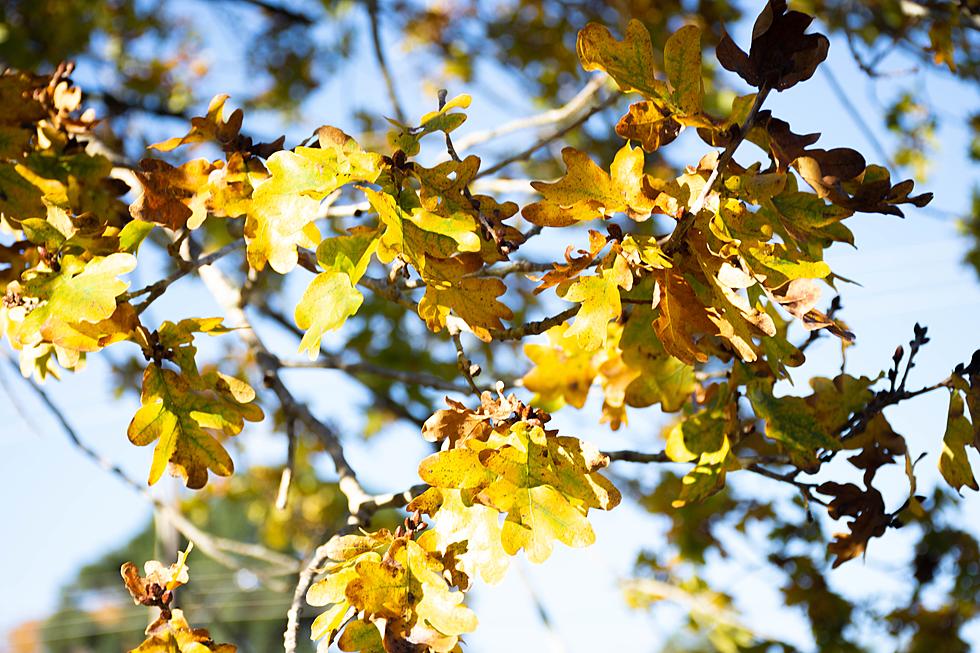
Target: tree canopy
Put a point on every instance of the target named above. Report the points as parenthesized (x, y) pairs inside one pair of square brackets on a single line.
[(470, 304)]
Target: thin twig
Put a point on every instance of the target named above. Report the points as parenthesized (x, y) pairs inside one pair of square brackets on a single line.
[(466, 368), (856, 117), (379, 55), (534, 328), (486, 226), (513, 267), (281, 12), (521, 156), (282, 497), (638, 456), (552, 116), (156, 289)]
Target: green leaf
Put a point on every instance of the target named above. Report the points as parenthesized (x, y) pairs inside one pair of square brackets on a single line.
[(682, 62), (629, 62), (792, 422), (954, 462)]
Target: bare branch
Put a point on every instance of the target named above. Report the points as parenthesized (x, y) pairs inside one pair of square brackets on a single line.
[(553, 116), (333, 362), (379, 55), (534, 328), (155, 290), (521, 156), (215, 547), (466, 368), (229, 297), (637, 456)]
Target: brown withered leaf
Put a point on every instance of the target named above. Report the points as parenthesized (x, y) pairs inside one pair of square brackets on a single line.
[(867, 507), (872, 192), (575, 264), (151, 589), (798, 297), (781, 54), (879, 445), (681, 319), (649, 124), (456, 423), (173, 197)]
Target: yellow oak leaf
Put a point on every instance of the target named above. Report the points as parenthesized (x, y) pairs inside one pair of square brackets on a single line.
[(284, 206), (629, 62), (449, 289), (76, 304), (545, 483), (174, 635), (332, 296), (345, 552), (325, 305), (600, 299), (407, 138), (417, 234), (407, 588), (183, 414), (563, 372), (587, 191), (954, 462), (459, 520)]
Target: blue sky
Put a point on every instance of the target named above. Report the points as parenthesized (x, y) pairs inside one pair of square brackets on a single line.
[(61, 511)]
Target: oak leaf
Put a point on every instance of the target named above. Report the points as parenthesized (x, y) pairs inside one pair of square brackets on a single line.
[(781, 54), (545, 483), (954, 462), (332, 295), (76, 304), (174, 635), (587, 191), (792, 422), (450, 289), (629, 62), (682, 63), (285, 205), (599, 296)]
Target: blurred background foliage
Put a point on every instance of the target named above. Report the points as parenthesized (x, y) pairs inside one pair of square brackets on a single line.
[(148, 67)]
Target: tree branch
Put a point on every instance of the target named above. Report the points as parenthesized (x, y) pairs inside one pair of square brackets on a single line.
[(215, 547), (379, 55), (581, 100), (500, 165), (534, 328), (331, 362), (156, 289)]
